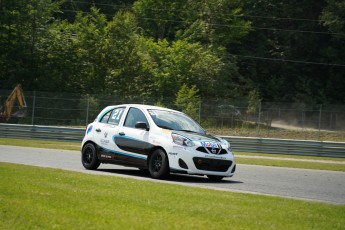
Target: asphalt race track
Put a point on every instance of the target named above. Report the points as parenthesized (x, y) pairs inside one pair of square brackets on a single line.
[(304, 184)]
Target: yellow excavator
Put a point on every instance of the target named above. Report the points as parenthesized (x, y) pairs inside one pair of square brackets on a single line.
[(6, 109)]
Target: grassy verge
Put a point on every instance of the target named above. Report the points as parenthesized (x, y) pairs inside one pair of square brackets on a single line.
[(291, 164), (297, 157), (265, 132), (33, 197), (292, 161), (41, 144)]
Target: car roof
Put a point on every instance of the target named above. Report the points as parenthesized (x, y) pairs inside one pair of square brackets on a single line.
[(144, 107)]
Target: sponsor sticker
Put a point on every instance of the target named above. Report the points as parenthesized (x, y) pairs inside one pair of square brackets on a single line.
[(209, 144), (154, 141), (104, 142), (215, 157)]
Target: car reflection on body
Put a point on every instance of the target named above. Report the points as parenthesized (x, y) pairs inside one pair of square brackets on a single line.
[(156, 139)]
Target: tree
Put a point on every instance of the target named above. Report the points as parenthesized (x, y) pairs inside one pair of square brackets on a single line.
[(22, 26), (215, 24), (128, 67), (333, 17), (285, 30), (254, 101), (188, 100), (107, 7), (178, 63), (159, 19), (212, 23)]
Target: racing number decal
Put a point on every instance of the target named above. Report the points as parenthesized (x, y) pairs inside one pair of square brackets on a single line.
[(117, 114)]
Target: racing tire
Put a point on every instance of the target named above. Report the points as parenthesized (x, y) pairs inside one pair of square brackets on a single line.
[(158, 164), (89, 157), (215, 178)]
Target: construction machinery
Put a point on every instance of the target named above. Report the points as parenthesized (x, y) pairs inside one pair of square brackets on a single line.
[(7, 107)]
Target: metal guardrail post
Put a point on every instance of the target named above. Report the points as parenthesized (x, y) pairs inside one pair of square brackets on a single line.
[(87, 110), (320, 122), (199, 111), (259, 119), (33, 109)]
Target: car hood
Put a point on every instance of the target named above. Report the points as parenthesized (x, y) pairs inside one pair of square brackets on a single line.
[(197, 136)]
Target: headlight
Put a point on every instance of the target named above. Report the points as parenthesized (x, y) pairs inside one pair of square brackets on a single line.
[(229, 148), (181, 140), (227, 144)]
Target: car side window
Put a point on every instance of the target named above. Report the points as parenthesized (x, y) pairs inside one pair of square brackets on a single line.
[(116, 115), (135, 115), (105, 117)]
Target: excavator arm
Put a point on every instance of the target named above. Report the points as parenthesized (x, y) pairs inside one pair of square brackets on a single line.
[(6, 110)]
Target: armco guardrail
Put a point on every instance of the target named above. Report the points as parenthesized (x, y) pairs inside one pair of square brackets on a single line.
[(239, 144), (287, 146), (41, 132)]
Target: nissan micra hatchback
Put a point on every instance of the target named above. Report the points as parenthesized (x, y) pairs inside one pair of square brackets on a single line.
[(156, 139)]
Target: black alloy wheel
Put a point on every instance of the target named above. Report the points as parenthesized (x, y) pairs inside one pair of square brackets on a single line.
[(158, 164), (89, 157)]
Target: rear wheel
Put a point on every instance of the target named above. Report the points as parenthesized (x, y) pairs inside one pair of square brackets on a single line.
[(215, 178), (89, 157), (158, 164)]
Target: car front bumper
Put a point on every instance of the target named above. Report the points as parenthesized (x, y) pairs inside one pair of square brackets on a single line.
[(189, 160)]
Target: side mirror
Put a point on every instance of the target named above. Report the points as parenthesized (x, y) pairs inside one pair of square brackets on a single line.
[(142, 125)]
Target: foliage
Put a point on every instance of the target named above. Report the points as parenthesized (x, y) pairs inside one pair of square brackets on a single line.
[(188, 100), (333, 16), (159, 19), (290, 31), (180, 62), (212, 23), (23, 25), (253, 101), (287, 51)]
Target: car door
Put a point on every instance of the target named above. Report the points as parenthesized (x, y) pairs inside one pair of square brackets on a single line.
[(105, 130), (132, 139), (99, 128)]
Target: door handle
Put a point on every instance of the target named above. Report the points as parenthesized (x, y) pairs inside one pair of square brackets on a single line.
[(98, 130), (122, 134)]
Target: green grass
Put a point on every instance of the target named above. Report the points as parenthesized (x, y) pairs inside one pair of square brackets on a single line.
[(297, 157), (41, 198), (292, 161), (41, 143), (291, 164)]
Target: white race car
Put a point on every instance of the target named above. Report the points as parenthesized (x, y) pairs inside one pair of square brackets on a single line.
[(156, 139)]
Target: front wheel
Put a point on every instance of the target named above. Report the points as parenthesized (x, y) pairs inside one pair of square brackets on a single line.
[(158, 164), (89, 157)]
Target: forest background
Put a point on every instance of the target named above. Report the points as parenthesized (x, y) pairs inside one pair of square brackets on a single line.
[(270, 50)]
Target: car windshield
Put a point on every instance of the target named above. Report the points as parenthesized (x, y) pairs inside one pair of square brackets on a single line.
[(174, 121)]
